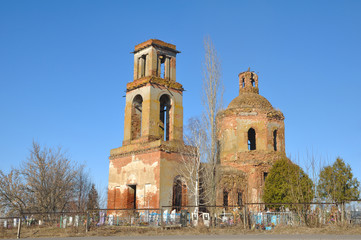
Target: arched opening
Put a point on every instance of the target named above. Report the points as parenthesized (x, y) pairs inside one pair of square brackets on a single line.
[(275, 140), (136, 121), (225, 198), (253, 83), (179, 193), (164, 116), (132, 197), (239, 198), (251, 139), (142, 66), (243, 83), (163, 67)]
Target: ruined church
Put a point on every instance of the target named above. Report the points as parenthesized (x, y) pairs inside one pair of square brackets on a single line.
[(143, 171)]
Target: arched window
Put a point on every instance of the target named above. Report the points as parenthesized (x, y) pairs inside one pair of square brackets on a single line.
[(179, 193), (136, 121), (132, 197), (240, 198), (142, 64), (275, 140), (251, 139), (163, 68), (164, 116), (225, 198)]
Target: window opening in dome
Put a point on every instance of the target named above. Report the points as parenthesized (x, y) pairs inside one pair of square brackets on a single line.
[(242, 82), (275, 140), (251, 139), (265, 174), (253, 83)]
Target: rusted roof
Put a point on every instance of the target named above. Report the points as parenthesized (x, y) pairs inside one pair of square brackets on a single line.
[(250, 100)]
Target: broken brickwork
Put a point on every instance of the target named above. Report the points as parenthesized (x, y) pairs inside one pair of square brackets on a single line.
[(143, 172), (251, 138)]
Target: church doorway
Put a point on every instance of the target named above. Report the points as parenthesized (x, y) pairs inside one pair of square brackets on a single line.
[(132, 197)]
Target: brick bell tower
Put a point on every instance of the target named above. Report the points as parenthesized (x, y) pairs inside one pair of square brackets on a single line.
[(143, 172)]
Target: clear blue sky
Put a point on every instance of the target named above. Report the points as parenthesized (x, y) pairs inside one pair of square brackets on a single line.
[(64, 66)]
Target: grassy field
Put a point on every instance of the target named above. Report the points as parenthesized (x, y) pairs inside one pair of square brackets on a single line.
[(47, 232)]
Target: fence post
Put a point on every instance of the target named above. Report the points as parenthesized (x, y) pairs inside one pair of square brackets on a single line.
[(87, 222), (342, 213), (19, 229), (244, 216), (161, 217)]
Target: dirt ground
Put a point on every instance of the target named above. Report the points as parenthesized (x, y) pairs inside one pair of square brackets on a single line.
[(49, 232)]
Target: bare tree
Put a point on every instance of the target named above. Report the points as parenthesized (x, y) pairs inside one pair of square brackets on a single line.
[(103, 196), (82, 188), (93, 198), (14, 199), (50, 178), (212, 102), (191, 166), (48, 181)]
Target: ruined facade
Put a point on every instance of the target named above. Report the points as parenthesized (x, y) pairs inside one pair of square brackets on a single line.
[(251, 137), (143, 172)]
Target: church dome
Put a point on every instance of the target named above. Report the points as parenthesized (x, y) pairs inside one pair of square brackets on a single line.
[(250, 100)]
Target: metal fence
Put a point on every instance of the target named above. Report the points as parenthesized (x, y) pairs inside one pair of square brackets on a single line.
[(126, 217), (60, 220), (245, 217)]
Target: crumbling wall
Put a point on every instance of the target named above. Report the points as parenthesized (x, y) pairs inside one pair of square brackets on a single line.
[(137, 169), (250, 110), (151, 124)]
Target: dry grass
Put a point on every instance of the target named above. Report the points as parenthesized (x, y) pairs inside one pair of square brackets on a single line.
[(41, 232)]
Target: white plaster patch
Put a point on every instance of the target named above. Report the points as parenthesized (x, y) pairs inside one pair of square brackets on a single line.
[(254, 195), (132, 179)]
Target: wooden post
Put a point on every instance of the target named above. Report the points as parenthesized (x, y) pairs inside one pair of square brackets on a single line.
[(19, 229)]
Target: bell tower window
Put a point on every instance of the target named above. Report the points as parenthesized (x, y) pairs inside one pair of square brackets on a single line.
[(160, 68), (136, 127), (142, 66), (164, 116), (163, 68), (251, 139), (248, 82)]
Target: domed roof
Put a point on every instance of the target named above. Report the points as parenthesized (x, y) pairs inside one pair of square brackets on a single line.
[(250, 100)]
